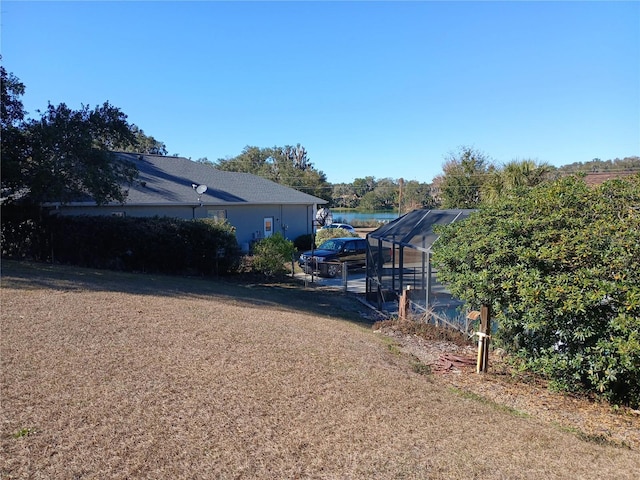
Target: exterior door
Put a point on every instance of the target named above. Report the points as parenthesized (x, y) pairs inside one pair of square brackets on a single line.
[(268, 227)]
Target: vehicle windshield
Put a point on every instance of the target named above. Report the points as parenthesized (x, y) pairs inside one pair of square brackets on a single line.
[(333, 244)]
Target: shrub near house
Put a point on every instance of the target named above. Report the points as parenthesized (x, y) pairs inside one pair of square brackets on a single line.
[(153, 245), (560, 265), (270, 255)]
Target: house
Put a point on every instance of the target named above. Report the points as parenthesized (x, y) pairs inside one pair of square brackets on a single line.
[(180, 188), (598, 178)]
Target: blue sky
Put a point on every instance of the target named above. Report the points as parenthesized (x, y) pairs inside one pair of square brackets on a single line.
[(386, 89)]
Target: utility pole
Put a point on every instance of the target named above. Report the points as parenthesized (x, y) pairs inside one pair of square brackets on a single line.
[(400, 184)]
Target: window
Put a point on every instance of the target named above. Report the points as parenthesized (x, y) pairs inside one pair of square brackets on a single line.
[(217, 214)]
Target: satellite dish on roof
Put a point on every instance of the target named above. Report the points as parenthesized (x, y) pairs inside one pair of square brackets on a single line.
[(200, 189)]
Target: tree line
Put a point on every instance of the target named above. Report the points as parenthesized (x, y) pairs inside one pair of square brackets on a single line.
[(469, 179)]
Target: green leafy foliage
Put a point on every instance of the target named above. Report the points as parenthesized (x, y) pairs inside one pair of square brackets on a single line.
[(512, 177), (464, 175), (13, 141), (303, 242), (69, 155), (373, 194), (560, 265), (327, 233), (272, 254), (66, 154), (414, 195), (145, 143), (152, 245), (11, 107), (286, 165)]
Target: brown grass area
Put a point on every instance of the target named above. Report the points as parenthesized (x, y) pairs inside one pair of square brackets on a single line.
[(107, 375), (588, 417)]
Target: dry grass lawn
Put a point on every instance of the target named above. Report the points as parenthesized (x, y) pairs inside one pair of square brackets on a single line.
[(115, 376)]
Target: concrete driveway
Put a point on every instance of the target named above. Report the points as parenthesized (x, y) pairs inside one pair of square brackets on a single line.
[(355, 282)]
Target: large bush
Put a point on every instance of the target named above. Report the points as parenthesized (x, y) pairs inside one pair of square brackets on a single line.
[(560, 266), (272, 254)]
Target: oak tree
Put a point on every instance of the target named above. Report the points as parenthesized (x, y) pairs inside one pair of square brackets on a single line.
[(286, 165), (65, 154)]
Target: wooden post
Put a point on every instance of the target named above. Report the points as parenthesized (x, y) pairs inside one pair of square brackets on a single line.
[(403, 306)]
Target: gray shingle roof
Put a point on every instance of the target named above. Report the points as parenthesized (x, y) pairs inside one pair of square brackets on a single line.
[(167, 180)]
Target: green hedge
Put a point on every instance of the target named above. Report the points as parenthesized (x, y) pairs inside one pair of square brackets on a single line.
[(560, 265), (153, 245)]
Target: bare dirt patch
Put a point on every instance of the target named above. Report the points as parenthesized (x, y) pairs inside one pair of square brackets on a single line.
[(108, 375)]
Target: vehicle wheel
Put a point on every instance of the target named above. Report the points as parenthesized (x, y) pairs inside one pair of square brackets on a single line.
[(332, 270)]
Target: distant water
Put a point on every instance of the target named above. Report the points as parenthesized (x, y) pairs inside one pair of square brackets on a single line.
[(349, 216)]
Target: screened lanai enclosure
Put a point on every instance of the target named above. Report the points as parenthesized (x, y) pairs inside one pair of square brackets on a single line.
[(399, 260)]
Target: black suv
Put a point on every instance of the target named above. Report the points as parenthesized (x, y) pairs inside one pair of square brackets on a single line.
[(328, 258)]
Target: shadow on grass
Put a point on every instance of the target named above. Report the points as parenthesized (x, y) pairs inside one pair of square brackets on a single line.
[(287, 294)]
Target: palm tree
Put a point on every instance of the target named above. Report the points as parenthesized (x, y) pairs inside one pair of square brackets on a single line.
[(514, 176), (524, 173)]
